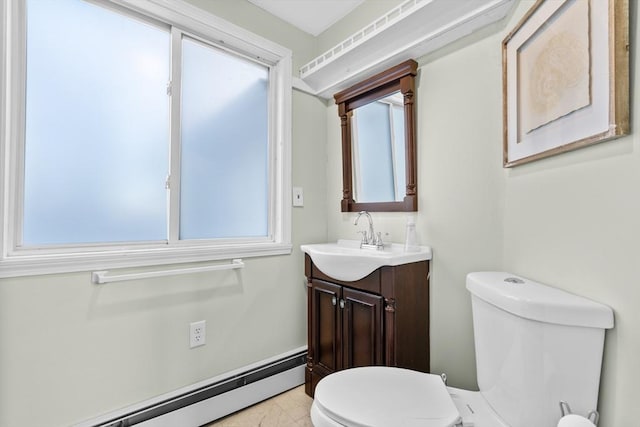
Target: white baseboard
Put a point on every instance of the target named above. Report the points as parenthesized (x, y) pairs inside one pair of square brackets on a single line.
[(209, 400), (217, 407)]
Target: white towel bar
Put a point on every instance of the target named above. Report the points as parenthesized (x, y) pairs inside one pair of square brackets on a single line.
[(100, 277)]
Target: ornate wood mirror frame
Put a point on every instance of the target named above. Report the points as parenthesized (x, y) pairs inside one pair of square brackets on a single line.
[(399, 78)]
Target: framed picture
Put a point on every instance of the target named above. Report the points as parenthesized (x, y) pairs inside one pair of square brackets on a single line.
[(565, 78)]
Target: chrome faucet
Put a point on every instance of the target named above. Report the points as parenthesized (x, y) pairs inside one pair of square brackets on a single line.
[(369, 239)]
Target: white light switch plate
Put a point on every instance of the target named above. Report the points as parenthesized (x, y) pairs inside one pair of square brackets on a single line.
[(298, 198)]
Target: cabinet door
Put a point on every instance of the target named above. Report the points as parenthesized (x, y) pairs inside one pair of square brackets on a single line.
[(326, 325), (362, 329)]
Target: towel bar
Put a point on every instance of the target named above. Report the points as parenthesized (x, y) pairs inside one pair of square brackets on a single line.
[(100, 277)]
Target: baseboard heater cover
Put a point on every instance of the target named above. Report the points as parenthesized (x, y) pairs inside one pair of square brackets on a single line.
[(288, 372)]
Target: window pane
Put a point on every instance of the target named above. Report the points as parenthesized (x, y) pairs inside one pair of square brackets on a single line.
[(97, 126), (224, 174), (374, 148)]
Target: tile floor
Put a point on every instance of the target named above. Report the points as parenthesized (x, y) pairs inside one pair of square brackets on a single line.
[(289, 409)]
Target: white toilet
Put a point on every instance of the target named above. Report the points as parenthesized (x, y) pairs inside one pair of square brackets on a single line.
[(535, 346)]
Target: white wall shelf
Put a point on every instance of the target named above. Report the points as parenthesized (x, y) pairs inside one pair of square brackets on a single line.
[(408, 31)]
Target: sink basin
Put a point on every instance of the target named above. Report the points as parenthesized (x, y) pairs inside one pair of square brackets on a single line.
[(345, 260)]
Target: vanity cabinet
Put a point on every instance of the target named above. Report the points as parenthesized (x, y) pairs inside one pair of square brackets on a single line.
[(381, 319)]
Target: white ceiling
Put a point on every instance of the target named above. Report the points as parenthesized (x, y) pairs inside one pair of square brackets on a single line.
[(311, 16)]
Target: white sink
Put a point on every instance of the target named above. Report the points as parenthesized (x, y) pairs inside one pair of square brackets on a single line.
[(345, 260)]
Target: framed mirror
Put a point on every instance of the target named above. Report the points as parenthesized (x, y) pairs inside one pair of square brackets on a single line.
[(379, 170)]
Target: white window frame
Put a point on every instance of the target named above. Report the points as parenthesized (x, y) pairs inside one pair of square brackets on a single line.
[(191, 21)]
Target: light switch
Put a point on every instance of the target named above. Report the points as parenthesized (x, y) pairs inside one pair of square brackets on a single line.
[(298, 198)]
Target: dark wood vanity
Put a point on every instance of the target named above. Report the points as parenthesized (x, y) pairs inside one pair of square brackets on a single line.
[(381, 319)]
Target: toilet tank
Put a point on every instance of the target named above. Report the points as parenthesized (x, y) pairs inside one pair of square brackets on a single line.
[(535, 346)]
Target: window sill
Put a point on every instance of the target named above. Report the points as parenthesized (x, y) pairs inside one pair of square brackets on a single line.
[(40, 264)]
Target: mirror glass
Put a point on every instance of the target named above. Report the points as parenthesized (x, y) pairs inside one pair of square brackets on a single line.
[(378, 142), (378, 147)]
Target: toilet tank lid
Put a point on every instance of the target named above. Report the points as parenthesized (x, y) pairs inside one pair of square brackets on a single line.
[(535, 301)]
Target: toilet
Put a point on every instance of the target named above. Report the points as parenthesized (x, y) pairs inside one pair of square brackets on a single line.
[(535, 347)]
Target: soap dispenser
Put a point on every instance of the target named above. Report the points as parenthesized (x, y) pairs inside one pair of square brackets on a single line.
[(411, 236)]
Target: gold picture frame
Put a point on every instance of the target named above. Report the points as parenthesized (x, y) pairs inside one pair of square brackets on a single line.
[(565, 78)]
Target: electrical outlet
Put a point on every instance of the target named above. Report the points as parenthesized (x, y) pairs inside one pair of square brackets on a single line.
[(197, 333)]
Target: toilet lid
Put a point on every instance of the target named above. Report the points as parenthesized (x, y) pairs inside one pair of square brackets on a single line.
[(377, 396)]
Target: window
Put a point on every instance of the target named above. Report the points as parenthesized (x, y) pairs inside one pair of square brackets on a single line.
[(138, 134), (224, 145), (96, 143)]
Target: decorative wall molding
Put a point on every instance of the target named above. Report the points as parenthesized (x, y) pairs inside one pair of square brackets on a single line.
[(410, 30)]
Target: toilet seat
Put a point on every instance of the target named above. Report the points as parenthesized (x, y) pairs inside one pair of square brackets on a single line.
[(377, 396)]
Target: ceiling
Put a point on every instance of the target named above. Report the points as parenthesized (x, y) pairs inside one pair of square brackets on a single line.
[(311, 16)]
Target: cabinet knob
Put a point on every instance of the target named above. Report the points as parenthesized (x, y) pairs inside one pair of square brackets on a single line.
[(334, 301), (341, 303)]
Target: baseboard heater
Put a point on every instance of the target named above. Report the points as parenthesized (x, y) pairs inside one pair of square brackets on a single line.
[(223, 396)]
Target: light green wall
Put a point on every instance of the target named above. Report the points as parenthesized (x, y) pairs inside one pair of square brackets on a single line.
[(571, 221), (71, 350), (574, 221), (460, 192)]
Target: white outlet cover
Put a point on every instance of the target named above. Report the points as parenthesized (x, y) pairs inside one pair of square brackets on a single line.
[(197, 333)]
